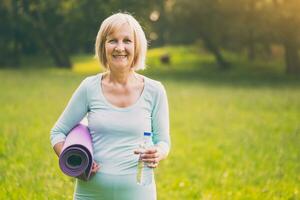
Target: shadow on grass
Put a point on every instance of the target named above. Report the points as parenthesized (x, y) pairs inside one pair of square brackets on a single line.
[(234, 77), (239, 75)]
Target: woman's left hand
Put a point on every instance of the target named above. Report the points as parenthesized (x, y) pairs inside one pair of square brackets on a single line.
[(151, 156)]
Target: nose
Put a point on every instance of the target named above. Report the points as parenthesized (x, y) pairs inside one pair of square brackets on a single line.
[(119, 47)]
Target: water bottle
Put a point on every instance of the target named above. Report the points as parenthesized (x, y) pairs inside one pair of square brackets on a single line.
[(144, 173)]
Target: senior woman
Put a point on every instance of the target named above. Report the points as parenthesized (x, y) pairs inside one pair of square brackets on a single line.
[(120, 105)]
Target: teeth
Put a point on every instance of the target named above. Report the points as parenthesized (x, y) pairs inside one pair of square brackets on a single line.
[(120, 56)]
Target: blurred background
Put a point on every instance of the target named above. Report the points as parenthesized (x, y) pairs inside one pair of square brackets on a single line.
[(255, 29), (231, 69)]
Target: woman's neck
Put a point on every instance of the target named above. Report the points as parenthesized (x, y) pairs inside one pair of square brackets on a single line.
[(122, 78)]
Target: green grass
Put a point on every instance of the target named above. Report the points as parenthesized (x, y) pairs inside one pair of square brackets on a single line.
[(235, 134)]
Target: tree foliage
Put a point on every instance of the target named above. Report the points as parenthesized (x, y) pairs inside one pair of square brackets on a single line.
[(62, 28)]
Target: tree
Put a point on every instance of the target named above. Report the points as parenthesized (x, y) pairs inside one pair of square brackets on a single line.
[(287, 26), (10, 34), (48, 27), (204, 20), (58, 28)]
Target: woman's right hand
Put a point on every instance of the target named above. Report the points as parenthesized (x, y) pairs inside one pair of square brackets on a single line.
[(95, 168), (58, 148)]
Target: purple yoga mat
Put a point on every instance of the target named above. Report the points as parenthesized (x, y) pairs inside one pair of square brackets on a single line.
[(76, 158)]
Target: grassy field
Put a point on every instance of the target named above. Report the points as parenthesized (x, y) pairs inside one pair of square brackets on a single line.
[(235, 134)]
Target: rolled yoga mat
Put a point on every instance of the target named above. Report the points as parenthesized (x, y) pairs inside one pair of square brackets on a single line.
[(76, 158)]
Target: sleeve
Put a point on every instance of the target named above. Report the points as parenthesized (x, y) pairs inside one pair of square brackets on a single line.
[(160, 121), (75, 110)]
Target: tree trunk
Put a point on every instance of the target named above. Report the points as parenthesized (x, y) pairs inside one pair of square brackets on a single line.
[(223, 64), (251, 28), (15, 53), (50, 40), (251, 46), (53, 44), (292, 60), (56, 51), (214, 49), (251, 52)]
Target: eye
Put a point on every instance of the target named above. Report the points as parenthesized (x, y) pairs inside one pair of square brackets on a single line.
[(127, 41), (112, 41)]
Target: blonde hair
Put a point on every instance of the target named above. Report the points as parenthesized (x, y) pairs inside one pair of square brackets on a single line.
[(140, 43)]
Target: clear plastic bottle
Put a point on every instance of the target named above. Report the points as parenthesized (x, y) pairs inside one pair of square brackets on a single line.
[(144, 173)]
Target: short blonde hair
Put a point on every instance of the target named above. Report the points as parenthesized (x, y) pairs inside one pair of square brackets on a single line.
[(140, 43)]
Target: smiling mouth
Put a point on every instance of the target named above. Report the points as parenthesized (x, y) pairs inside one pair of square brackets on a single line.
[(119, 56)]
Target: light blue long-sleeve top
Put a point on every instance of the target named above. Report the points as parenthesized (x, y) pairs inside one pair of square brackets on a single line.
[(116, 132)]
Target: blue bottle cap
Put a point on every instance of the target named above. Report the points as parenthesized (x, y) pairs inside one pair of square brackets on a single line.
[(147, 133)]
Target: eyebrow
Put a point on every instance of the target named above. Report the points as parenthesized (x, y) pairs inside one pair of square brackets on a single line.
[(126, 37)]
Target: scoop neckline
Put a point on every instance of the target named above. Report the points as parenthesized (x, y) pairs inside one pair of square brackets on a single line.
[(100, 76)]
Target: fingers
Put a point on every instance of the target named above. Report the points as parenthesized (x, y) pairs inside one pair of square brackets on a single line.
[(151, 151), (147, 151), (151, 161), (152, 165), (140, 151), (150, 158), (95, 167), (149, 155)]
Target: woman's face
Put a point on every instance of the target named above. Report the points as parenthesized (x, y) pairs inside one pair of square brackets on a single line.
[(119, 48)]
